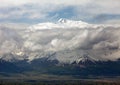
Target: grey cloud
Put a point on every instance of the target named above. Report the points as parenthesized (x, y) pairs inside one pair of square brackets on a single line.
[(10, 41), (96, 40)]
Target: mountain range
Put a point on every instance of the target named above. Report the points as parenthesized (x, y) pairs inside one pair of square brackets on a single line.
[(65, 47)]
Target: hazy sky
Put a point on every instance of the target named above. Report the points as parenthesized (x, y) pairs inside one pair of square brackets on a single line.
[(35, 11)]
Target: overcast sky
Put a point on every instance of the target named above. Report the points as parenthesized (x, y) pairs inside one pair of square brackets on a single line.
[(35, 11)]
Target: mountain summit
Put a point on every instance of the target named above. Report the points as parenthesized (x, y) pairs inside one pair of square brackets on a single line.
[(62, 20), (61, 24)]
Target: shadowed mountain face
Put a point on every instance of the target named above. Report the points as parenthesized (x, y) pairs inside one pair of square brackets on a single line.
[(8, 67), (65, 47), (44, 66)]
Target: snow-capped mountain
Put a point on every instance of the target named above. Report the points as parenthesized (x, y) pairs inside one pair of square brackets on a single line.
[(64, 47), (72, 24), (61, 24), (66, 41)]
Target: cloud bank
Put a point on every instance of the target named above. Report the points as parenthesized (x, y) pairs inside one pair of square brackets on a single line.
[(65, 37)]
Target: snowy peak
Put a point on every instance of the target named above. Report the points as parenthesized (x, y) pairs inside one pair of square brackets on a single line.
[(61, 24), (86, 58), (67, 21), (72, 24), (62, 20)]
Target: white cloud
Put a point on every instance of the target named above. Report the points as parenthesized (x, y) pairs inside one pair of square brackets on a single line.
[(10, 3), (98, 41), (95, 39), (9, 40)]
